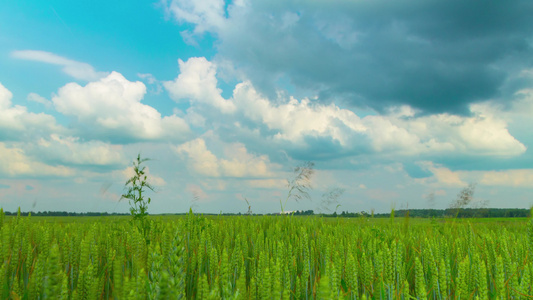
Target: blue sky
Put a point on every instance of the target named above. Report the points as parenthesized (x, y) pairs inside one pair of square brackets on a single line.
[(399, 104)]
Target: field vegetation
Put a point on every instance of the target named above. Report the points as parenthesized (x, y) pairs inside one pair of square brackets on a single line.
[(265, 257)]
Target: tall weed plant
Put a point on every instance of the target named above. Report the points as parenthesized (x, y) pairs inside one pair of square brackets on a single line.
[(300, 185), (136, 187)]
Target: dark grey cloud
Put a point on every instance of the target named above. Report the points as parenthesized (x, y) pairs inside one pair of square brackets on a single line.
[(437, 56)]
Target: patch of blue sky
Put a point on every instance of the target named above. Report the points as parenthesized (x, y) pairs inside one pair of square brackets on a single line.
[(124, 36), (363, 112), (415, 171), (130, 38), (22, 77), (521, 130), (227, 87), (284, 83)]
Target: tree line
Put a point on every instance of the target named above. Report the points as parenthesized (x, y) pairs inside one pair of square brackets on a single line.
[(63, 214), (417, 213), (451, 212)]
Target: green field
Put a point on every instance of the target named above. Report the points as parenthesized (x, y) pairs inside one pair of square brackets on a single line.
[(269, 257)]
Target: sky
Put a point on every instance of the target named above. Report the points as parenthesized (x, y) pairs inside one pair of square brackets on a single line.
[(399, 104)]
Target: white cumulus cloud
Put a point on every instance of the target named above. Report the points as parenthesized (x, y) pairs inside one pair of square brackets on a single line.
[(5, 97), (197, 82), (16, 123), (72, 150), (14, 162), (237, 162), (483, 133), (400, 131), (296, 119), (442, 176), (512, 178), (112, 106), (200, 159)]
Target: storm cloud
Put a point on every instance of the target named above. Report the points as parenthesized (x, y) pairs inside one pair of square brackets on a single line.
[(434, 56)]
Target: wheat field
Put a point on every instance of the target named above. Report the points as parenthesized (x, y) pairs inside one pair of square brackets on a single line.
[(269, 257)]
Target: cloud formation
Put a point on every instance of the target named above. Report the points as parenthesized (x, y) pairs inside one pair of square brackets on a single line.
[(16, 123), (512, 178), (76, 69), (436, 57), (5, 97), (238, 163), (198, 83), (72, 151), (111, 108), (14, 162), (400, 131), (442, 176)]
